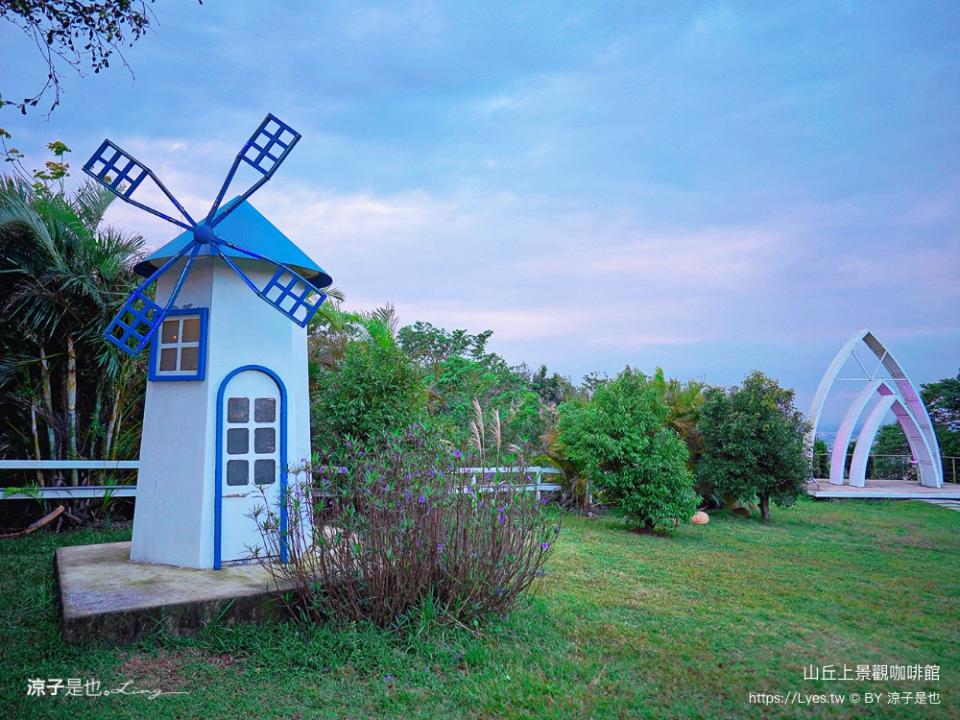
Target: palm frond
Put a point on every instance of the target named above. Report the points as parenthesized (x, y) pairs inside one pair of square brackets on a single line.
[(25, 237), (334, 293), (387, 315), (90, 203)]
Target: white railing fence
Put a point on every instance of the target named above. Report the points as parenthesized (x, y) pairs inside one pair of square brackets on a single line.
[(889, 467), (68, 492), (538, 478), (479, 479)]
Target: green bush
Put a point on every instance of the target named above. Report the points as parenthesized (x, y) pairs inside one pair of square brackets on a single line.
[(619, 439), (375, 389), (753, 444)]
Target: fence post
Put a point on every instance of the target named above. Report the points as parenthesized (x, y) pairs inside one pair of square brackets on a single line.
[(539, 481)]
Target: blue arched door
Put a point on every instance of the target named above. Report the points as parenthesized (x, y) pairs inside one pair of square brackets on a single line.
[(251, 462)]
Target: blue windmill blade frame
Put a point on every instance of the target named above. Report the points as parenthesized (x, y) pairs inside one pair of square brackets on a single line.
[(264, 151), (134, 325), (287, 291), (112, 166)]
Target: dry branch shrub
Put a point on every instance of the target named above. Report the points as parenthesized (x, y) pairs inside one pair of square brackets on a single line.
[(394, 524)]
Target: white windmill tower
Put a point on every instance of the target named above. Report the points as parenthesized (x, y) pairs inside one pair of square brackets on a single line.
[(227, 405)]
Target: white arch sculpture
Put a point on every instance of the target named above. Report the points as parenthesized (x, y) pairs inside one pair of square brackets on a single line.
[(901, 397)]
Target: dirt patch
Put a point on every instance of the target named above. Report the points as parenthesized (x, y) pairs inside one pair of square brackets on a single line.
[(162, 670), (166, 670), (223, 660)]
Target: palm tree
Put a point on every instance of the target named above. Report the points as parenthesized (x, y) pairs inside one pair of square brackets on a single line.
[(62, 277), (684, 401), (332, 328)]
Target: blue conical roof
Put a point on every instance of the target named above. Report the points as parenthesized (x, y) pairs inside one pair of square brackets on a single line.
[(247, 228)]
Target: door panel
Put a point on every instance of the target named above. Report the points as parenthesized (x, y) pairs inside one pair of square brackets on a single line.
[(250, 460)]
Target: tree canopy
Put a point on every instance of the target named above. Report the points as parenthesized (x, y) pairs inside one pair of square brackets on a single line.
[(78, 35), (620, 439), (753, 444)]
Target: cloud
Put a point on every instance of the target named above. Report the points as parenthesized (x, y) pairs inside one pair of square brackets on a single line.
[(717, 185), (711, 24), (183, 166), (536, 267), (421, 22), (322, 218), (711, 259)]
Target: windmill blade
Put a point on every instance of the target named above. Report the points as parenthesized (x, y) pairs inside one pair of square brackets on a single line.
[(133, 327), (266, 149), (287, 291), (122, 174)]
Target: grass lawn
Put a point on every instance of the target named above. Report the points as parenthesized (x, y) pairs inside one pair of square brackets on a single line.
[(625, 625)]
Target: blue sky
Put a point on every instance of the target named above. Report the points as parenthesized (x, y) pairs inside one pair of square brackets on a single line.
[(711, 187)]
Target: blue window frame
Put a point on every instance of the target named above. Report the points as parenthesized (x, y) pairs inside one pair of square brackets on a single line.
[(178, 350)]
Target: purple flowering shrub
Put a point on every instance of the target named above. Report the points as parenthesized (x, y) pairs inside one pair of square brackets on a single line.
[(375, 531)]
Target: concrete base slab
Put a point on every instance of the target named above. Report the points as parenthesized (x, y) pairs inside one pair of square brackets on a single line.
[(106, 596)]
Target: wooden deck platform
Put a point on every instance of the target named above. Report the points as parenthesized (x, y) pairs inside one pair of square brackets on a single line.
[(890, 489)]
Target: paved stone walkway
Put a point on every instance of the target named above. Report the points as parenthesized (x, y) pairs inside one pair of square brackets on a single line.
[(951, 504)]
